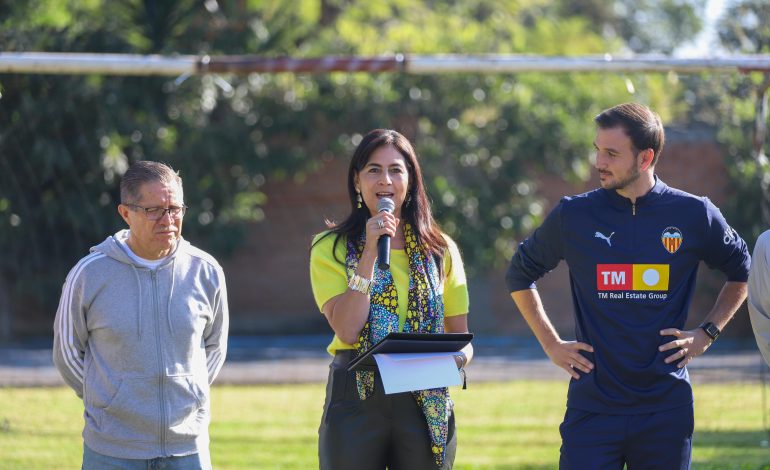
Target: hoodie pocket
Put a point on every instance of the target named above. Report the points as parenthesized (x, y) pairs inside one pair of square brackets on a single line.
[(186, 407), (133, 412)]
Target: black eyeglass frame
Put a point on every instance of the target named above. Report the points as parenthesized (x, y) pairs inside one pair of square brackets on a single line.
[(173, 211)]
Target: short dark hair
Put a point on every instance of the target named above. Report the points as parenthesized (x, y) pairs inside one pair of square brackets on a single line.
[(640, 123), (142, 172)]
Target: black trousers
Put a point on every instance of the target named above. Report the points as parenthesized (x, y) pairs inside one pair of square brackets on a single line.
[(383, 431)]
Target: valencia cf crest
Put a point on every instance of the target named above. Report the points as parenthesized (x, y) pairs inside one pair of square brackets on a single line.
[(672, 239)]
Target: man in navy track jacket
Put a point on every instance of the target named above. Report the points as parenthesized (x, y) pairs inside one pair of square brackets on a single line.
[(633, 248)]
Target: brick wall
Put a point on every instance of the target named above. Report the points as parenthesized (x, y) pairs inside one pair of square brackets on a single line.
[(268, 278)]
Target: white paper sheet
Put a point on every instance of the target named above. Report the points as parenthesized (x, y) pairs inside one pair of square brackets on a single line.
[(405, 372)]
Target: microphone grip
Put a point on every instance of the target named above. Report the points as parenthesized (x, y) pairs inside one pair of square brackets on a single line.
[(383, 252)]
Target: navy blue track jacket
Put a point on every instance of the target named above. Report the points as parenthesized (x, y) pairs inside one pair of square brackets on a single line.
[(632, 273)]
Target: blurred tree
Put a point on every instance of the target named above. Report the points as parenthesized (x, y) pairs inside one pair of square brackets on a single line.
[(66, 140), (737, 107), (645, 26), (743, 27), (484, 139)]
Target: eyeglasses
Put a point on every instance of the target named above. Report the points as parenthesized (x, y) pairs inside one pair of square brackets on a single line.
[(157, 213)]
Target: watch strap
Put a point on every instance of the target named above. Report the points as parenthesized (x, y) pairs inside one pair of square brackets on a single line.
[(710, 329)]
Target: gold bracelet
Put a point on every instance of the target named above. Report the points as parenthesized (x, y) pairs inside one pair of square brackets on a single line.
[(360, 284)]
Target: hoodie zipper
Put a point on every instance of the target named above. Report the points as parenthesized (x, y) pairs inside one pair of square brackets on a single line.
[(162, 374)]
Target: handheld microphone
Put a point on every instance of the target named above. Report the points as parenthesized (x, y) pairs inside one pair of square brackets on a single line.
[(385, 204)]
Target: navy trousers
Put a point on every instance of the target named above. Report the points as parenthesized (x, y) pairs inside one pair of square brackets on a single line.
[(652, 441)]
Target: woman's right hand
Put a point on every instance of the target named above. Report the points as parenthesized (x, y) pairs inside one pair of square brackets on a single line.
[(382, 223)]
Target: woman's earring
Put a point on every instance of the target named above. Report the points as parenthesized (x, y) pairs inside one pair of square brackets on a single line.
[(358, 199), (408, 200)]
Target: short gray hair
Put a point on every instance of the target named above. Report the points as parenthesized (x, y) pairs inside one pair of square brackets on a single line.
[(142, 172)]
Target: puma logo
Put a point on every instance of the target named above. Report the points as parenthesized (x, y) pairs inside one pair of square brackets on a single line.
[(603, 237)]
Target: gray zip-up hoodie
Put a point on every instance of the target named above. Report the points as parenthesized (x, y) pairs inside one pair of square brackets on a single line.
[(759, 294), (141, 347)]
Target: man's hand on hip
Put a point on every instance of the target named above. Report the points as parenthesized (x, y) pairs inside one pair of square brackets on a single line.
[(566, 354), (688, 345)]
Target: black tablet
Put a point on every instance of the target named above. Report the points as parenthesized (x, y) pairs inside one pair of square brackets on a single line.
[(410, 343)]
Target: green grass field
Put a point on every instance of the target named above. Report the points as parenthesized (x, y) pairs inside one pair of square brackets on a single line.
[(511, 425)]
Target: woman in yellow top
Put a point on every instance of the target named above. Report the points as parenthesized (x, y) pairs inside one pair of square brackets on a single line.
[(423, 291)]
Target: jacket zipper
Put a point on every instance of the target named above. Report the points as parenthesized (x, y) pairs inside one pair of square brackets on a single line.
[(633, 227), (161, 391)]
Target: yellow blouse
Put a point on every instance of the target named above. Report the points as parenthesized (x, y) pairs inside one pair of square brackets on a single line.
[(328, 279)]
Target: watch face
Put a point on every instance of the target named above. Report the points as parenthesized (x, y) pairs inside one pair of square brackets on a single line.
[(711, 330)]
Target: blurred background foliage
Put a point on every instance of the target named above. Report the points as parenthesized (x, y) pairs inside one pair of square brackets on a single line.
[(733, 105), (484, 140)]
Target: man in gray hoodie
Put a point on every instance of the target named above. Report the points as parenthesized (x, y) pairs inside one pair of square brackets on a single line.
[(759, 294), (141, 333)]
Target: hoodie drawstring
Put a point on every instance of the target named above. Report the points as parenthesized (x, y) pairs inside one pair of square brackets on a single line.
[(139, 313), (171, 294)]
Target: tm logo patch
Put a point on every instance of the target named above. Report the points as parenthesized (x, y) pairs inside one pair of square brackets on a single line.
[(639, 277)]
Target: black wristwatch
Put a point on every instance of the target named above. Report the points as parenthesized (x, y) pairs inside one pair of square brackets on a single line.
[(711, 330)]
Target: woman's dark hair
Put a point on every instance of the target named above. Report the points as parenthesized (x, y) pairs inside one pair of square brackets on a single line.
[(416, 207)]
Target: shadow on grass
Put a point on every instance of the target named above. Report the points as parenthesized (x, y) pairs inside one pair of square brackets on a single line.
[(733, 439), (551, 466), (273, 442), (731, 450), (27, 433)]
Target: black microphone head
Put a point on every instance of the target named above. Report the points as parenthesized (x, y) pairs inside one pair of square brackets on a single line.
[(386, 204)]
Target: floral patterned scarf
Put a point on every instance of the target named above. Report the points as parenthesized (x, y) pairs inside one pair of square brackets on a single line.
[(425, 314)]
